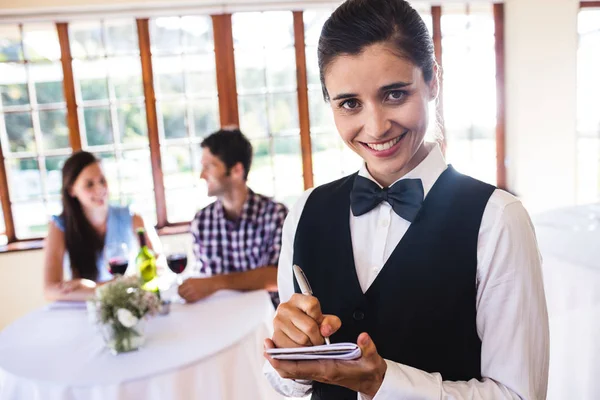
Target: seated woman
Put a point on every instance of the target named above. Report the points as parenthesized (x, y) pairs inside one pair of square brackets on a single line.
[(74, 248)]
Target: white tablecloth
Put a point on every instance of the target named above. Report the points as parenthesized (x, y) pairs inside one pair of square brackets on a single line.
[(569, 241), (208, 350)]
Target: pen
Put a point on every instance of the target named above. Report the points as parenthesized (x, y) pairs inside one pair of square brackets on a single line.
[(304, 286)]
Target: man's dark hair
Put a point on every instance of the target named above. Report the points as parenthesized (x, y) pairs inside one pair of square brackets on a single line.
[(231, 147)]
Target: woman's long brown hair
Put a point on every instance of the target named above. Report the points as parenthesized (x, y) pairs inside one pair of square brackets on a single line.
[(83, 242)]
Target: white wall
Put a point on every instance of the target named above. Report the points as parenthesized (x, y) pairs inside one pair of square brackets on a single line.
[(541, 79)]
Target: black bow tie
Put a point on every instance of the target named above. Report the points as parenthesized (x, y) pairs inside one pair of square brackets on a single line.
[(405, 197)]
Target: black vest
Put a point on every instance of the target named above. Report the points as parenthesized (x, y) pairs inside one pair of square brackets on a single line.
[(420, 310)]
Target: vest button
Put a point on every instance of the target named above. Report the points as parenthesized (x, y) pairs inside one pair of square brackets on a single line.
[(358, 315)]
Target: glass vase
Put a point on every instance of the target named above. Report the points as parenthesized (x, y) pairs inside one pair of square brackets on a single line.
[(120, 339)]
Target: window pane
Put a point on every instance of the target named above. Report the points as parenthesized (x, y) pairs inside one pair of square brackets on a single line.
[(92, 79), (168, 73), (283, 114), (55, 133), (197, 34), (97, 126), (13, 84), (41, 42), (20, 131), (173, 120), (85, 39), (121, 37), (327, 157), (287, 160), (31, 219), (281, 69), (182, 204), (261, 178), (54, 174), (132, 123), (10, 45), (201, 75), (24, 178), (249, 70), (48, 79), (126, 76), (321, 115), (470, 88), (177, 167), (253, 116), (206, 117), (143, 204), (165, 35), (135, 171)]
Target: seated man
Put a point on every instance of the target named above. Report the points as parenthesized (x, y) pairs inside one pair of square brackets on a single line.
[(237, 238)]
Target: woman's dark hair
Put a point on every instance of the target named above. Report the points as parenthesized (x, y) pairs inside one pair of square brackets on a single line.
[(231, 147), (83, 242), (357, 24)]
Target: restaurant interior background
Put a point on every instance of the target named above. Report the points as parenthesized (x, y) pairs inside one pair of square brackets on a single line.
[(519, 106)]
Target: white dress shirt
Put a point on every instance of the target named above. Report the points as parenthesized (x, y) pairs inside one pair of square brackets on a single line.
[(512, 320)]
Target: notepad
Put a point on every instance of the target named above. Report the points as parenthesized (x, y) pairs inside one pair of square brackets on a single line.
[(335, 351)]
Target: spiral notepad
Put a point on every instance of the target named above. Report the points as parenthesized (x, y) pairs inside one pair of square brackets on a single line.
[(336, 351)]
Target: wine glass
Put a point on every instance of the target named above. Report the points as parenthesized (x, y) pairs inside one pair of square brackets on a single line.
[(117, 256), (176, 259)]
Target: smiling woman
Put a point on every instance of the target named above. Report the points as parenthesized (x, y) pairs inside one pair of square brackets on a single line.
[(407, 257)]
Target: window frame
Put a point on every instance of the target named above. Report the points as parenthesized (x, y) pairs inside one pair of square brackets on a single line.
[(228, 106)]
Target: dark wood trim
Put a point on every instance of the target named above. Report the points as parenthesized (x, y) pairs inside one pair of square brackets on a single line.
[(500, 98), (152, 121), (436, 17), (303, 108), (589, 4), (9, 225), (69, 85), (225, 61)]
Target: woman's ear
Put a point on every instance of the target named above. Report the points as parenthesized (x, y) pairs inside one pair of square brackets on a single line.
[(434, 85)]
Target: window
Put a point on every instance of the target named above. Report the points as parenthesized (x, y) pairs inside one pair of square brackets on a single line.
[(588, 106), (469, 95), (33, 127), (107, 99), (187, 105), (112, 118), (268, 101)]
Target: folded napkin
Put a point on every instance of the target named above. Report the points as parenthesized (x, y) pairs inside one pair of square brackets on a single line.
[(336, 351), (66, 305)]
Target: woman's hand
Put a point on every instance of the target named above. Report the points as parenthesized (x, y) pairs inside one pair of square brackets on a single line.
[(364, 375), (300, 322), (76, 284)]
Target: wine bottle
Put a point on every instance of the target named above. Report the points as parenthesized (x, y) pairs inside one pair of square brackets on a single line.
[(146, 262)]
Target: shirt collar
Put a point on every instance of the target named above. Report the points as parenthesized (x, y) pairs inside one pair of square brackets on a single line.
[(428, 170), (247, 209)]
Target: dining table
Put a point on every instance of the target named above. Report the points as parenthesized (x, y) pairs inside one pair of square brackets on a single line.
[(212, 349)]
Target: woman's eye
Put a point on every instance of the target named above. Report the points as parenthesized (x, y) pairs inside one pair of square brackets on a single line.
[(350, 104), (396, 95)]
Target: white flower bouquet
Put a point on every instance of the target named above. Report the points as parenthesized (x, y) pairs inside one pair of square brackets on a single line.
[(120, 307)]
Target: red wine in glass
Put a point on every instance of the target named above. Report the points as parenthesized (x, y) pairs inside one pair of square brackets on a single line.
[(177, 262), (117, 266)]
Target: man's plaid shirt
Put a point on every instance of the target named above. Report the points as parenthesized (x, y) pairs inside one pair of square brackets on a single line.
[(222, 246)]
